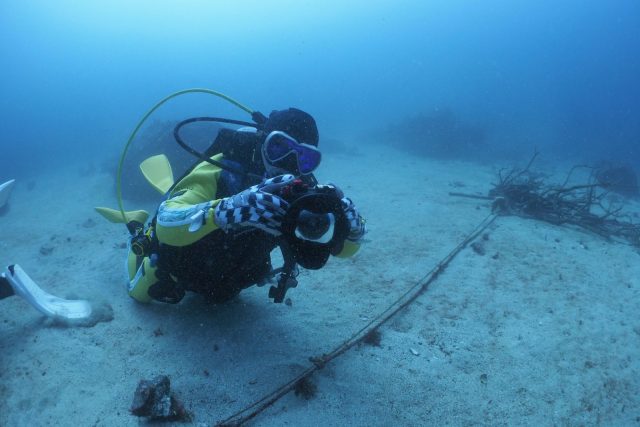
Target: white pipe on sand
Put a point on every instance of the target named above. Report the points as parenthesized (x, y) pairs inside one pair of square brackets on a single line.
[(5, 192)]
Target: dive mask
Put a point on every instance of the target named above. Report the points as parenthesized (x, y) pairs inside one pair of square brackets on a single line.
[(278, 145)]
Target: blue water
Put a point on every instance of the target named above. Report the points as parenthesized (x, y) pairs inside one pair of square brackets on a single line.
[(541, 330), (563, 76)]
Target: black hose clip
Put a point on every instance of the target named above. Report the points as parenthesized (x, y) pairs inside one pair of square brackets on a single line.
[(285, 282), (259, 118), (286, 274), (141, 245), (141, 242)]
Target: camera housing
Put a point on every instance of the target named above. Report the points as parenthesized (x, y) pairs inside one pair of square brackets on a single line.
[(305, 201)]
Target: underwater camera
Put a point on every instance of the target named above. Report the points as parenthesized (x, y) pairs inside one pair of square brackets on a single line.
[(314, 227)]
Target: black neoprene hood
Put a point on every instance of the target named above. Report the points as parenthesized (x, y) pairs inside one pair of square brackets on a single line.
[(294, 122)]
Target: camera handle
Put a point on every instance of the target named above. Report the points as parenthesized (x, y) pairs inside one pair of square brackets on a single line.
[(287, 277)]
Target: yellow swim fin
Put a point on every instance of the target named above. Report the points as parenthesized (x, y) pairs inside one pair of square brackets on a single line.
[(114, 215), (157, 171)]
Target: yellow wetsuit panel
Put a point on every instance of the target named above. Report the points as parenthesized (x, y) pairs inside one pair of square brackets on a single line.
[(140, 278), (349, 249), (187, 216)]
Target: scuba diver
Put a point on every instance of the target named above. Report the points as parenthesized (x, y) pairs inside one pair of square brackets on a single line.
[(253, 190)]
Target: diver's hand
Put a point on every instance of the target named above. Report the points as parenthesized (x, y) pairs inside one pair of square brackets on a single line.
[(357, 228), (256, 207)]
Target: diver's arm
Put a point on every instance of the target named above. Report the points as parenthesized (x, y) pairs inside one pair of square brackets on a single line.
[(258, 207), (188, 214), (192, 211)]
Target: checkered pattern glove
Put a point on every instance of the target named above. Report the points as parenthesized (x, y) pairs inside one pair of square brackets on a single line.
[(255, 207), (357, 227)]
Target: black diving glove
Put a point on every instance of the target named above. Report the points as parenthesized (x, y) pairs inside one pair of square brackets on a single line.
[(255, 207)]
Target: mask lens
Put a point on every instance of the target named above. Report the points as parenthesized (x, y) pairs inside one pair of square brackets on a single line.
[(308, 160), (279, 145)]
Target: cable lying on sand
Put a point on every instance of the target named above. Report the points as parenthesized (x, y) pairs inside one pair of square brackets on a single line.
[(404, 300), (524, 193), (519, 192)]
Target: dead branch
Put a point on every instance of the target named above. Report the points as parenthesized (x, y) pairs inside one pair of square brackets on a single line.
[(524, 193)]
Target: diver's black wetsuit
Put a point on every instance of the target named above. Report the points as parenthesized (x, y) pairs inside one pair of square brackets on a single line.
[(219, 265)]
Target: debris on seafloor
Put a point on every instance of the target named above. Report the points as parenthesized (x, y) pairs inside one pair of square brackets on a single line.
[(586, 205), (46, 249), (154, 400), (305, 388), (478, 248), (5, 192), (373, 338)]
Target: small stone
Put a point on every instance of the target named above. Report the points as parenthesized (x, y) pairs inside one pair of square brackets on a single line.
[(46, 250), (154, 399), (414, 352), (478, 248), (373, 338)]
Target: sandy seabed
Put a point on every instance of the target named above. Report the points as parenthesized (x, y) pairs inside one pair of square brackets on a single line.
[(540, 329)]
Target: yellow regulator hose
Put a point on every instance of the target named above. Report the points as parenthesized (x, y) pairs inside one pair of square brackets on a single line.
[(144, 119)]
